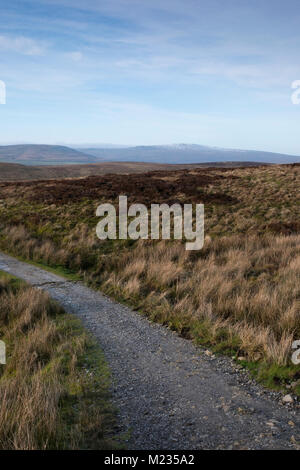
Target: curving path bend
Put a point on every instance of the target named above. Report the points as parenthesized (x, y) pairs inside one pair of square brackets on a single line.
[(170, 394)]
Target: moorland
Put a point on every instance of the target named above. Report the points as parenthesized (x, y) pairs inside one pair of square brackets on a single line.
[(18, 172), (239, 295)]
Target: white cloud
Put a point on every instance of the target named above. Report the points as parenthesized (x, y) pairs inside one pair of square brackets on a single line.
[(21, 45), (262, 75)]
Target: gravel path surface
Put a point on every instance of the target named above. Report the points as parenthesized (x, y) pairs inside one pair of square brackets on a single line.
[(171, 395)]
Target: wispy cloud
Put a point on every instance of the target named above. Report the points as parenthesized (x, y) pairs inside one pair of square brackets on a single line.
[(21, 45)]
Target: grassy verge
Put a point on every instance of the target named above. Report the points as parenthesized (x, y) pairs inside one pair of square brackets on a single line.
[(54, 389), (265, 353)]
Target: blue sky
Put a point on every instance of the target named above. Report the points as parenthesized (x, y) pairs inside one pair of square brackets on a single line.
[(212, 72)]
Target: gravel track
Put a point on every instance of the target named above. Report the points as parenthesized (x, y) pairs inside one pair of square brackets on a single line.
[(170, 394)]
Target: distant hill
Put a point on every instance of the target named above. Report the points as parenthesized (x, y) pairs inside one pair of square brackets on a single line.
[(37, 155), (43, 155), (17, 172), (186, 153)]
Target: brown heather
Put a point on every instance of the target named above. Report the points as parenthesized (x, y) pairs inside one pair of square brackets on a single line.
[(239, 294)]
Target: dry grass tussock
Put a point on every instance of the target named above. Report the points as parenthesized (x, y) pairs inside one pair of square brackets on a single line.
[(246, 286), (45, 377)]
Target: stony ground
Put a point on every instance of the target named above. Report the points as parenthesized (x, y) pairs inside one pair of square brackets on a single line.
[(171, 395)]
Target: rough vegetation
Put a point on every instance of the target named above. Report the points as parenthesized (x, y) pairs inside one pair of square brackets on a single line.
[(54, 387), (17, 172), (239, 294)]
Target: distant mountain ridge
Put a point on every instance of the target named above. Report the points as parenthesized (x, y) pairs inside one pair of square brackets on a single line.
[(187, 153), (35, 154), (30, 154)]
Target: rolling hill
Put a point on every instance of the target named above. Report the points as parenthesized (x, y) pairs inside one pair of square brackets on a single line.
[(38, 155), (43, 154), (186, 153)]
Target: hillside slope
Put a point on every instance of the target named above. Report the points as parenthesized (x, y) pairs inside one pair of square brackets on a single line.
[(43, 154), (186, 153), (16, 171)]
